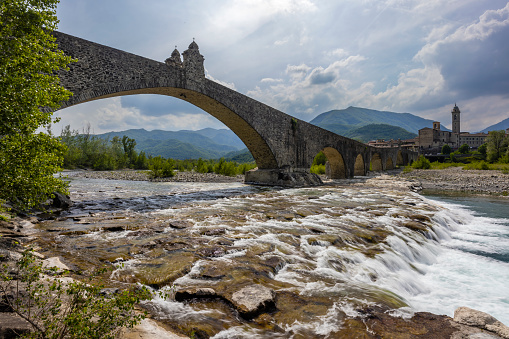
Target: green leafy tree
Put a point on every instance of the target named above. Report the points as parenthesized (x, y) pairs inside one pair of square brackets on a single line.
[(482, 150), (496, 145), (446, 149), (421, 163), (464, 149), (129, 151), (29, 92)]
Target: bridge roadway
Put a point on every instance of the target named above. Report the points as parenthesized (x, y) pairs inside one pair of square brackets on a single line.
[(283, 146)]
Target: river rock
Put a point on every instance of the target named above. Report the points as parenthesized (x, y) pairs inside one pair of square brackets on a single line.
[(12, 325), (54, 262), (180, 224), (471, 317), (61, 201), (198, 292), (253, 300), (148, 329)]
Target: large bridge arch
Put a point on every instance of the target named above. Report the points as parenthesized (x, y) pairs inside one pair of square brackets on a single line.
[(261, 152), (283, 146)]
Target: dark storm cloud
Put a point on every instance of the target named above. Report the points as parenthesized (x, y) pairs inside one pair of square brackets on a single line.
[(478, 67)]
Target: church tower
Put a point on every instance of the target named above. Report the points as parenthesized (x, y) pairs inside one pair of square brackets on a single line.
[(456, 127), (456, 119)]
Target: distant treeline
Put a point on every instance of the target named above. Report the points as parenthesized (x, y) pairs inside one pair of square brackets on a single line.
[(85, 150)]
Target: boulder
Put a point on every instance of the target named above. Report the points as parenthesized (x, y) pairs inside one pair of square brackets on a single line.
[(471, 317), (12, 325), (252, 300), (61, 201)]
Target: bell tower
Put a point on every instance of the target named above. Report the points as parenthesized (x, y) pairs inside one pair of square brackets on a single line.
[(456, 127), (456, 119)]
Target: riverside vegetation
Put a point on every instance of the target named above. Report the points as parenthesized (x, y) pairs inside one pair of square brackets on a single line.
[(88, 151)]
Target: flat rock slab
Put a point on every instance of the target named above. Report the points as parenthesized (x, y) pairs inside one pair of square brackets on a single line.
[(253, 300), (471, 317), (54, 262), (11, 325)]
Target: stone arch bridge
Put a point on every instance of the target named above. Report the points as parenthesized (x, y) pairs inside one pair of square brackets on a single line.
[(283, 146)]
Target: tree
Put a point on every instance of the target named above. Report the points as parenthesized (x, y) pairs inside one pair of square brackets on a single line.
[(496, 145), (29, 92), (464, 149), (482, 150), (446, 149)]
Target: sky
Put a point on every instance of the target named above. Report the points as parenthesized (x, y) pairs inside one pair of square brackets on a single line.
[(306, 57)]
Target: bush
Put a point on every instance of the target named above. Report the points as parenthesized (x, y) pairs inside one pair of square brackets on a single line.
[(421, 163), (464, 149), (57, 309), (318, 169), (161, 168), (446, 149), (478, 165)]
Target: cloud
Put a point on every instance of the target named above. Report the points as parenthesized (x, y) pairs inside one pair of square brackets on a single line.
[(112, 115)]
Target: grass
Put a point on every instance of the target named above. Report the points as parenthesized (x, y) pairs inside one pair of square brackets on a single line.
[(474, 165)]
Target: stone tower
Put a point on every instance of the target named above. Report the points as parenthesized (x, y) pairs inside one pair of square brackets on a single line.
[(193, 62), (456, 127), (174, 60)]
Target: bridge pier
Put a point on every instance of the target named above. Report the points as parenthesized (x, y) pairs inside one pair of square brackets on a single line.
[(282, 177)]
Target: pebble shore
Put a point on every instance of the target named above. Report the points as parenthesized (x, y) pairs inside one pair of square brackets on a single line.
[(145, 176), (457, 179)]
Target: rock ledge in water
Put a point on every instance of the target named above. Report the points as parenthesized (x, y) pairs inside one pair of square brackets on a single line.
[(253, 300), (471, 317)]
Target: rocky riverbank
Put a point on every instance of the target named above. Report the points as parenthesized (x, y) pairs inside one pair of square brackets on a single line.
[(136, 175), (457, 179)]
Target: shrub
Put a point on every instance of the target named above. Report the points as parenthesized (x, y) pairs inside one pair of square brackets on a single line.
[(446, 149), (477, 165), (464, 149), (66, 310), (318, 169), (161, 168), (421, 163)]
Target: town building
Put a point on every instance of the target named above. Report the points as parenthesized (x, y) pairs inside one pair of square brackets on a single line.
[(431, 140)]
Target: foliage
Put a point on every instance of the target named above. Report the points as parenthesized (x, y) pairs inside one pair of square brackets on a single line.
[(421, 163), (497, 144), (29, 92), (378, 131), (59, 309), (88, 151), (446, 149), (464, 149), (444, 165), (477, 165), (482, 150), (318, 169), (320, 159), (161, 168)]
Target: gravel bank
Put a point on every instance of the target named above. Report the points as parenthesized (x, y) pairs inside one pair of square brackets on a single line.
[(144, 176), (457, 179)]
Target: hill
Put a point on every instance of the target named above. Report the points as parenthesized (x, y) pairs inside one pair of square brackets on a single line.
[(345, 120), (206, 143), (379, 131), (503, 125)]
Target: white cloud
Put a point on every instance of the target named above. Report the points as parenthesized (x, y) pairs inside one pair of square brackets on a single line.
[(489, 22), (230, 85), (109, 115)]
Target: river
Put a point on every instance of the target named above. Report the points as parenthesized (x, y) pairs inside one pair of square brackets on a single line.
[(327, 253)]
